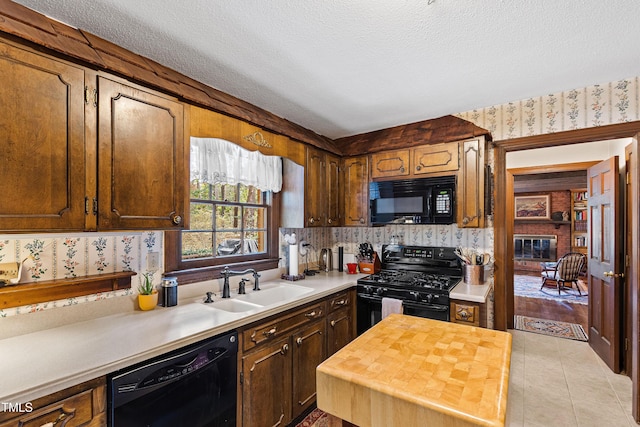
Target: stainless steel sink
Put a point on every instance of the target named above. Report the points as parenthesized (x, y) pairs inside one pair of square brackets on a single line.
[(277, 294), (233, 305)]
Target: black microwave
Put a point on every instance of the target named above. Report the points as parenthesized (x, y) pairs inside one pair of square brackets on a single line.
[(413, 201)]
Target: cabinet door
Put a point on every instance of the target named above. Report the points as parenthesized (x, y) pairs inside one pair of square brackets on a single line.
[(435, 158), (141, 170), (470, 189), (339, 329), (42, 137), (315, 188), (390, 164), (356, 191), (308, 353), (266, 387), (332, 185)]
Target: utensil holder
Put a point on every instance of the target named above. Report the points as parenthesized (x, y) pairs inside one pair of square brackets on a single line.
[(474, 274)]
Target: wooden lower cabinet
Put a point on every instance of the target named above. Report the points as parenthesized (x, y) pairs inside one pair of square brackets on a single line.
[(341, 325), (279, 356), (83, 405), (266, 385), (308, 353)]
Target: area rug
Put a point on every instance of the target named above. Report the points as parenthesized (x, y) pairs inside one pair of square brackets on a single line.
[(554, 328), (319, 418), (529, 286)]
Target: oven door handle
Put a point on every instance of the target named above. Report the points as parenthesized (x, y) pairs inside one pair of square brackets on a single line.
[(426, 306)]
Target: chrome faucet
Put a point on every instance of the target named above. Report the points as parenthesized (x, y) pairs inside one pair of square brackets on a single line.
[(226, 273)]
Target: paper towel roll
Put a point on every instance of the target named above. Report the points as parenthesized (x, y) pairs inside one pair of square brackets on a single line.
[(293, 260)]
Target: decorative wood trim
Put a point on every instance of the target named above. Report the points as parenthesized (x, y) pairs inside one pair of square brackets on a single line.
[(257, 138), (52, 290), (566, 167)]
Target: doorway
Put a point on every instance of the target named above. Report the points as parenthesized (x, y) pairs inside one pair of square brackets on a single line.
[(503, 228), (540, 242)]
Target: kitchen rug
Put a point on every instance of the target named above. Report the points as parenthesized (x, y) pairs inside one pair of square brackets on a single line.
[(554, 328), (529, 286), (319, 418)]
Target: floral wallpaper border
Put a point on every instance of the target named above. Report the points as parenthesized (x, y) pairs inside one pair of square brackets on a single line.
[(56, 256), (592, 106)]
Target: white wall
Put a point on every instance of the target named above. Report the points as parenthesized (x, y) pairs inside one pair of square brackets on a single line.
[(574, 153)]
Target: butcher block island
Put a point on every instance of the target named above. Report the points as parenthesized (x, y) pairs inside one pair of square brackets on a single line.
[(410, 371)]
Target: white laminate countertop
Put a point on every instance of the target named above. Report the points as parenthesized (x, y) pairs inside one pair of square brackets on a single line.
[(39, 363), (475, 293)]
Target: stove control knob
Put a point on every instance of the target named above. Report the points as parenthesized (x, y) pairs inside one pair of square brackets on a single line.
[(415, 296), (381, 291), (368, 290), (429, 298)]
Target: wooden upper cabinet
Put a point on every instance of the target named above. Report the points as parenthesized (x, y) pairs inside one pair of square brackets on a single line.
[(470, 198), (42, 139), (332, 185), (435, 158), (440, 159), (356, 191), (141, 171), (314, 188), (390, 164), (322, 189), (82, 152)]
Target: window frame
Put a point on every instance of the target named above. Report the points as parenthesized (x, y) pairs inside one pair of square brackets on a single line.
[(197, 270)]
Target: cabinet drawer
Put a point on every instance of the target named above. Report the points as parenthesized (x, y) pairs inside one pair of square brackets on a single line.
[(278, 327), (466, 313), (343, 299), (85, 408)]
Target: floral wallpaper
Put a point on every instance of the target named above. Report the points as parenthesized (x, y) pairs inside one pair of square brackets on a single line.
[(420, 235), (57, 256), (597, 105)]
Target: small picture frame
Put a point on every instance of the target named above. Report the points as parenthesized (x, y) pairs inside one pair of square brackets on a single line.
[(532, 207)]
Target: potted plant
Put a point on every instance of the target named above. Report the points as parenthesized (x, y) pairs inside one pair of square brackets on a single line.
[(147, 293)]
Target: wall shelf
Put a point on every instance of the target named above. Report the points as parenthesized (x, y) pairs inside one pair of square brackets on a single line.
[(52, 290)]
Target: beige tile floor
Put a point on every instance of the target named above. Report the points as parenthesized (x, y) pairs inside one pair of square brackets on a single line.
[(561, 382)]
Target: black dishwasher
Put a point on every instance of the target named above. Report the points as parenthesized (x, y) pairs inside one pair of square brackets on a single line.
[(191, 387)]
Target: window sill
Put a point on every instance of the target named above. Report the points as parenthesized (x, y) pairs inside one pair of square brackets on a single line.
[(201, 274)]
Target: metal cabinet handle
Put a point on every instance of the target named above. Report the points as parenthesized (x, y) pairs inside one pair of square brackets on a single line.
[(333, 323), (361, 220), (177, 219), (330, 221), (271, 332), (340, 302), (299, 341), (418, 167), (284, 349), (311, 220), (312, 314)]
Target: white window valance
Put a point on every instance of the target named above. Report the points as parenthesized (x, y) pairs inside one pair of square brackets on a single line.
[(216, 161)]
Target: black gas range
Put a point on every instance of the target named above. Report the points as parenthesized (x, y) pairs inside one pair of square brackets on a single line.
[(420, 276)]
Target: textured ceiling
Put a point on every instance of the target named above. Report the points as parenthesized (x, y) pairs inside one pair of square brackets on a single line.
[(342, 68)]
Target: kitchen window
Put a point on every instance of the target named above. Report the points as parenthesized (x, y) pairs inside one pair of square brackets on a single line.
[(233, 214), (226, 220)]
